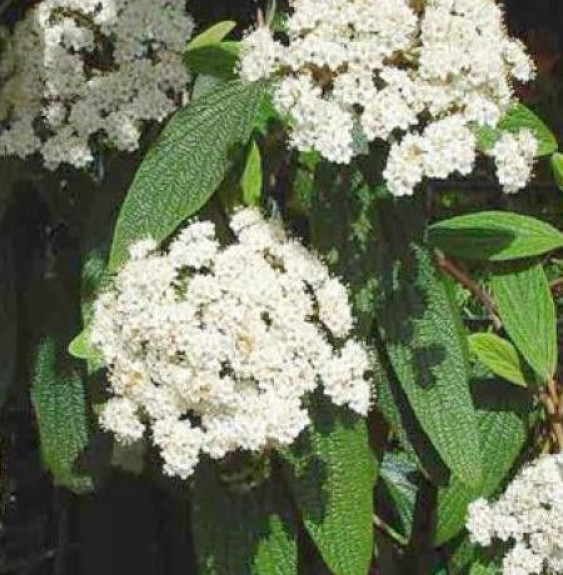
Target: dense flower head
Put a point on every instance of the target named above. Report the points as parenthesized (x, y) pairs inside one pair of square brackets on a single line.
[(214, 349), (529, 517), (79, 70), (418, 76)]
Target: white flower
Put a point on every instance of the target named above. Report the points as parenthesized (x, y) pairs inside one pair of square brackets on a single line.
[(99, 72), (405, 167), (216, 348), (120, 416), (514, 158), (528, 516), (387, 72)]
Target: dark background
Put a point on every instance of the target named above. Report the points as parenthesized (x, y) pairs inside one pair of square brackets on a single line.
[(133, 526)]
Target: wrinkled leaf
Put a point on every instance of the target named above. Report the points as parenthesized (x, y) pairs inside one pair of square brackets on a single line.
[(500, 356), (420, 325), (186, 165), (494, 236), (331, 475), (503, 429), (527, 311), (58, 399)]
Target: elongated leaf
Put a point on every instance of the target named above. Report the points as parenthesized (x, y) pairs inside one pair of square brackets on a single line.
[(242, 533), (420, 325), (251, 182), (186, 165), (58, 399), (503, 426), (527, 310), (393, 404), (495, 236), (8, 319), (212, 35), (500, 356), (557, 166), (520, 117), (331, 475)]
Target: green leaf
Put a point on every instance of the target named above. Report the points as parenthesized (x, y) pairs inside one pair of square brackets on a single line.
[(520, 117), (242, 532), (186, 165), (212, 35), (500, 356), (398, 488), (251, 182), (487, 137), (420, 326), (331, 475), (57, 395), (503, 428), (394, 406), (80, 347), (207, 53), (557, 167), (527, 311), (494, 236), (480, 569), (8, 319), (218, 60)]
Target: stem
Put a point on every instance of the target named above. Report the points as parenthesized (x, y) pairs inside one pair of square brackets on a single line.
[(389, 531), (463, 279), (552, 400)]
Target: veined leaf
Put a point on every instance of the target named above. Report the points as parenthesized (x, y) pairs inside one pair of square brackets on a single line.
[(251, 182), (527, 310), (249, 533), (503, 427), (520, 117), (212, 35), (557, 167), (186, 165), (58, 399), (421, 328), (500, 356), (494, 236), (331, 475)]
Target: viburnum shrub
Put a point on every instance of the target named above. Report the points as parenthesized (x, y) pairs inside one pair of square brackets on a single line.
[(298, 318)]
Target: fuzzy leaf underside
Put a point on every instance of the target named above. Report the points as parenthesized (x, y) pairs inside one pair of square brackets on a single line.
[(59, 402)]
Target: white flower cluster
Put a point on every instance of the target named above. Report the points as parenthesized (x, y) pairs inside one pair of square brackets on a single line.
[(216, 349), (390, 70), (530, 516), (76, 70)]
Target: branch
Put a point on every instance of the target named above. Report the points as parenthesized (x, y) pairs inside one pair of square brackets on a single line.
[(463, 279)]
